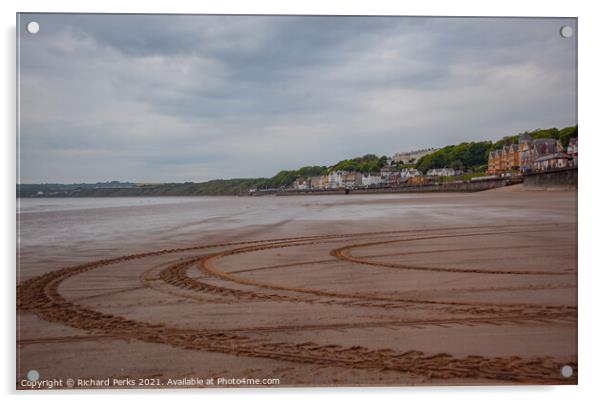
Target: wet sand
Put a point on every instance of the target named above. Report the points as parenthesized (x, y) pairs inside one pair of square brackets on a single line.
[(368, 290)]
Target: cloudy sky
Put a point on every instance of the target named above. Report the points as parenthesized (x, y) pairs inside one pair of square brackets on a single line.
[(192, 98)]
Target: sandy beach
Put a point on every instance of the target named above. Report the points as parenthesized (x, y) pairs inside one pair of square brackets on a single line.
[(421, 289)]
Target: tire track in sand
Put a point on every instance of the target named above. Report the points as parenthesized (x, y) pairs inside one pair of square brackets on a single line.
[(41, 296), (207, 266)]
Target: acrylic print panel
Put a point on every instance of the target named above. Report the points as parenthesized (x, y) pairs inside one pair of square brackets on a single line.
[(276, 201)]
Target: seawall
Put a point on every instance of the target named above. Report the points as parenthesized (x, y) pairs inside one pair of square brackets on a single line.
[(565, 178)]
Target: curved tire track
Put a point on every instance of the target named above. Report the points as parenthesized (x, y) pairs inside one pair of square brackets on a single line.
[(41, 296)]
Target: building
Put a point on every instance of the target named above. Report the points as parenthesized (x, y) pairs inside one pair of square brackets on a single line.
[(410, 157), (300, 184), (385, 172), (316, 182), (324, 181), (524, 158), (504, 160), (352, 179), (551, 161), (371, 179), (494, 162), (530, 150), (571, 150), (410, 172), (441, 172), (336, 179), (394, 179), (510, 157), (528, 155)]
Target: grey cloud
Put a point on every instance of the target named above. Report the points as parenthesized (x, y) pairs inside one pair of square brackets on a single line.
[(158, 98)]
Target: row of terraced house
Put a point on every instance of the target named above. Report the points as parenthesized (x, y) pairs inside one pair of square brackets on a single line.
[(388, 176), (532, 155)]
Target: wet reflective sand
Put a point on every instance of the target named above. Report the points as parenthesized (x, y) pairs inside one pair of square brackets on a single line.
[(335, 290)]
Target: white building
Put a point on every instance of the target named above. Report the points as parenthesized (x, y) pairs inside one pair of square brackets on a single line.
[(441, 172), (336, 179), (300, 184), (371, 180), (410, 173), (410, 157)]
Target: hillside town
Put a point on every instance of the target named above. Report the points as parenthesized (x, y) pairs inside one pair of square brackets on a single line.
[(528, 156)]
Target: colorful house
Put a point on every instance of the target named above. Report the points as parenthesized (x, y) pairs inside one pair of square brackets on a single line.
[(503, 160), (510, 157), (531, 150)]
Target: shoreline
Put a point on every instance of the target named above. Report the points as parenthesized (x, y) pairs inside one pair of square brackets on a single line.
[(566, 178)]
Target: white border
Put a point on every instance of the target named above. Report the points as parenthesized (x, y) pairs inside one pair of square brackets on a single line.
[(589, 217)]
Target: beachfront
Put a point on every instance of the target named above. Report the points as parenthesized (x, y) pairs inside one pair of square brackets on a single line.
[(344, 290)]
